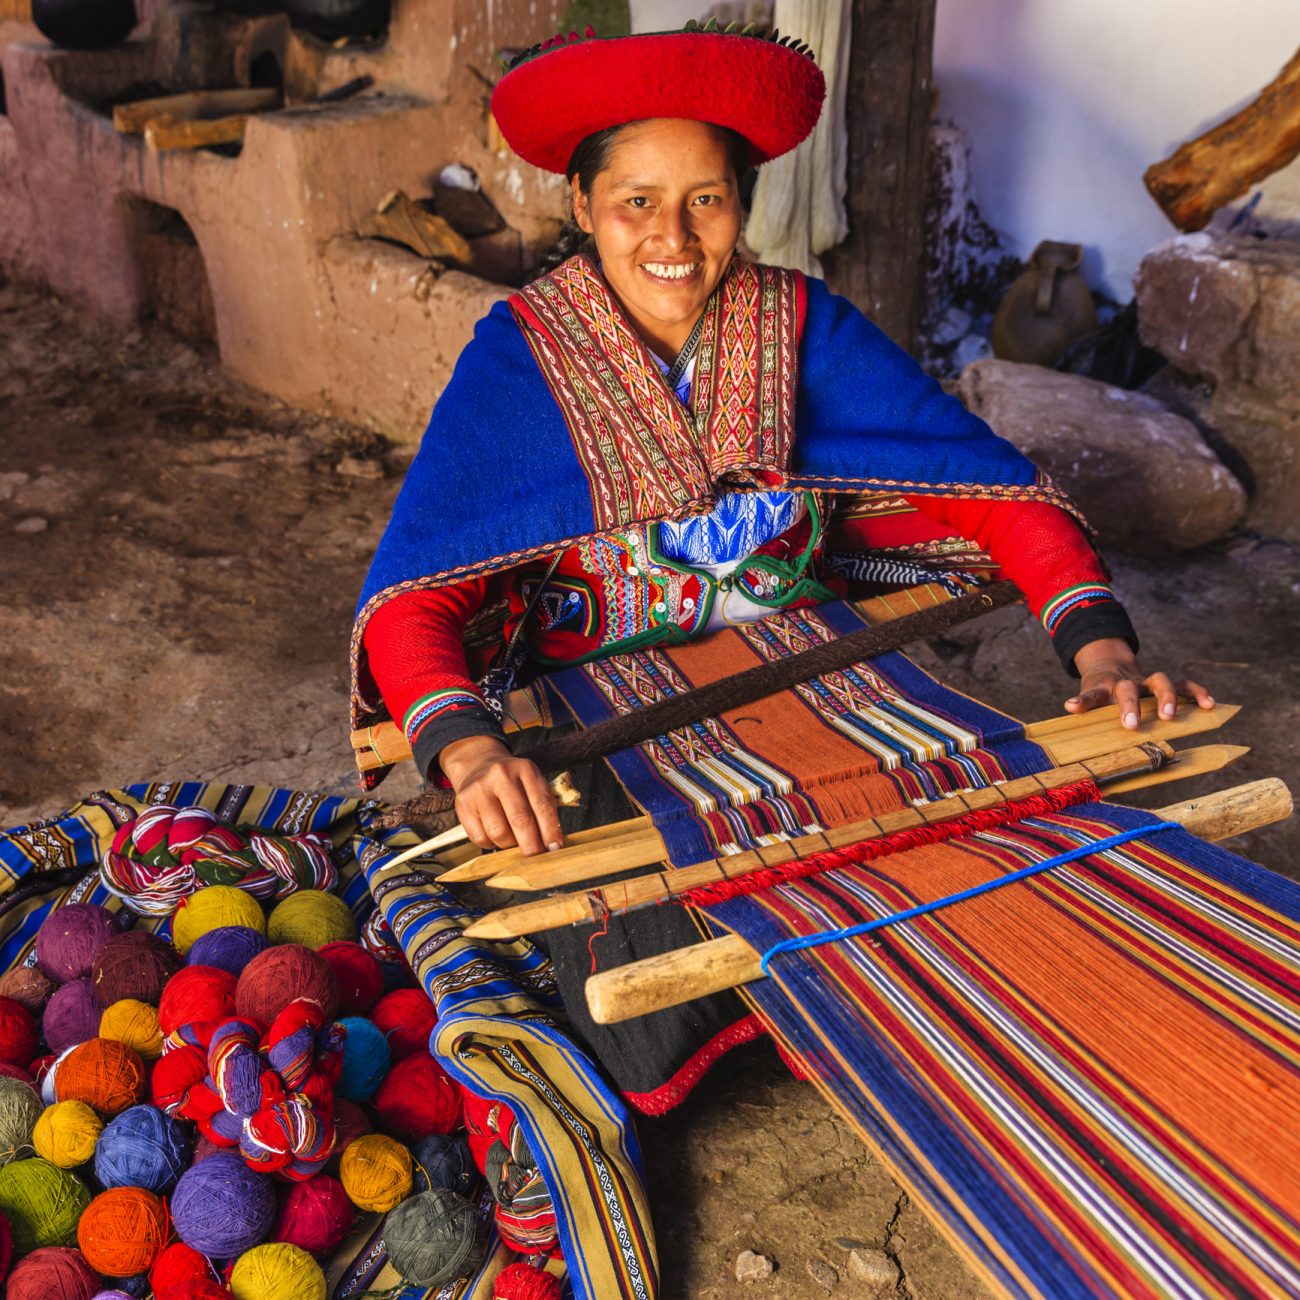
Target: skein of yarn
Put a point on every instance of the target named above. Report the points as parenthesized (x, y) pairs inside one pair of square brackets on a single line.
[(215, 907), (17, 1033), (359, 975), (136, 964), (197, 995), (281, 975), (29, 985), (71, 1016), (365, 1059), (277, 1271), (52, 1273), (314, 1215), (417, 1098), (66, 1134), (434, 1238), (221, 1207), (312, 919), (42, 1203), (520, 1281), (134, 1024), (70, 937), (228, 947), (123, 1231), (142, 1147), (103, 1073), (443, 1160), (407, 1018), (20, 1108), (177, 1267), (376, 1172)]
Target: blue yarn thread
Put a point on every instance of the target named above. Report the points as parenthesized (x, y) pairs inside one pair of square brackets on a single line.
[(366, 1058), (801, 942), (142, 1147)]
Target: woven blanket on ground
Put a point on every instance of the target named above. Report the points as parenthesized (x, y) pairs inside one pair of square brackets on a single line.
[(1087, 1078), (497, 1030)]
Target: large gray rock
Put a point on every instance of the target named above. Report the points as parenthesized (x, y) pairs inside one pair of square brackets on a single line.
[(1142, 475), (1228, 309)]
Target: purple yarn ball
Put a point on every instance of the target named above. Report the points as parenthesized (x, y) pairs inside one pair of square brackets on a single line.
[(222, 1208), (229, 947), (71, 1016), (70, 937)]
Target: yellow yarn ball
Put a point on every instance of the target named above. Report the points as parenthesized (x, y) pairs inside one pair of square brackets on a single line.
[(277, 1271), (311, 918), (135, 1024), (376, 1172), (66, 1133), (210, 909)]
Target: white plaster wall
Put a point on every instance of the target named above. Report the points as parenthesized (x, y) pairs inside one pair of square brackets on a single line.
[(1068, 101)]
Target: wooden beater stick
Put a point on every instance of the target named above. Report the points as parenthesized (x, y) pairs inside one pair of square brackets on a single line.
[(670, 979)]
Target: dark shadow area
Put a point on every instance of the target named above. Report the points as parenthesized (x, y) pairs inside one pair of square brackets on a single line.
[(175, 276)]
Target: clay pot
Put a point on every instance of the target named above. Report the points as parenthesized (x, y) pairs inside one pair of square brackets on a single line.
[(332, 20), (84, 24), (1048, 307)]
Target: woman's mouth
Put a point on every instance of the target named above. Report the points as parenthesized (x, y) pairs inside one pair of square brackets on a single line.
[(671, 272)]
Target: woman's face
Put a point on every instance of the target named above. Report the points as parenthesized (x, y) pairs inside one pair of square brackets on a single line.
[(665, 215)]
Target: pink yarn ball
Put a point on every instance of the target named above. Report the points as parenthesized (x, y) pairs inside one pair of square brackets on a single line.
[(314, 1215), (70, 937)]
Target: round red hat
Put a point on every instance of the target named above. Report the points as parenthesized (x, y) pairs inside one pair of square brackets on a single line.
[(764, 86)]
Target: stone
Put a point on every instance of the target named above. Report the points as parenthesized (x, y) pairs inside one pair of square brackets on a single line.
[(1143, 477), (751, 1267), (823, 1274), (32, 524), (355, 467), (1226, 308), (873, 1268)]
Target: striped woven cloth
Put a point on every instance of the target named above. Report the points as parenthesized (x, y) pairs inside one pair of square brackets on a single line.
[(1089, 1079)]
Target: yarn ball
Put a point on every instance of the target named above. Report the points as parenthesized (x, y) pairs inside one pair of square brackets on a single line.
[(222, 1207), (311, 918), (137, 965), (407, 1018), (143, 1147), (29, 985), (280, 975), (350, 1123), (314, 1215), (8, 1071), (434, 1237), (197, 995), (178, 1266), (376, 1172), (115, 1294), (520, 1281), (417, 1098), (175, 1075), (44, 1069), (70, 937), (52, 1273), (359, 974), (228, 947), (204, 1147), (122, 1231), (277, 1271), (214, 908), (365, 1059), (204, 1290), (18, 1043), (6, 1248), (20, 1108), (71, 1016), (66, 1133), (135, 1024), (103, 1073), (443, 1160), (42, 1203)]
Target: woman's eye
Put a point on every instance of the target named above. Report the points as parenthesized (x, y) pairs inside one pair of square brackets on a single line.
[(639, 201), (706, 199)]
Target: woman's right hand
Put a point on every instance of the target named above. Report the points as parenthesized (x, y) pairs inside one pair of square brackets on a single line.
[(501, 800)]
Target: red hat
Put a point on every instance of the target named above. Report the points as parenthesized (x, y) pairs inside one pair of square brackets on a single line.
[(765, 87)]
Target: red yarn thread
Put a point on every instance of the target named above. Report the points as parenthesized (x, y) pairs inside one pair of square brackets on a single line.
[(983, 819), (519, 1281)]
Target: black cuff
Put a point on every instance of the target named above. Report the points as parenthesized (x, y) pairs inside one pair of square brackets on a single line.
[(437, 734), (1091, 623)]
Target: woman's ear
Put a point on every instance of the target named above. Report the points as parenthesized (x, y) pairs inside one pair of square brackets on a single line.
[(581, 208)]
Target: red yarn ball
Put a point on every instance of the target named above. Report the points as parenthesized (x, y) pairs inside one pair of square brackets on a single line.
[(350, 1123), (180, 1266), (360, 976), (17, 1033), (196, 995), (314, 1215), (417, 1098), (406, 1018), (276, 977), (174, 1074), (6, 1248), (52, 1273), (8, 1071), (204, 1290), (136, 965), (520, 1281)]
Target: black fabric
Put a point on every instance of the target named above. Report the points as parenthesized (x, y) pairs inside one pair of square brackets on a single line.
[(436, 735), (1091, 623)]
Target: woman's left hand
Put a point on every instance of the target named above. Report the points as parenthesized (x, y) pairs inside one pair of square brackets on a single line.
[(1109, 674)]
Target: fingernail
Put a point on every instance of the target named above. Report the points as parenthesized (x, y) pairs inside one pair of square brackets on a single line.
[(1130, 719), (550, 848), (1167, 711), (1209, 701), (1074, 699)]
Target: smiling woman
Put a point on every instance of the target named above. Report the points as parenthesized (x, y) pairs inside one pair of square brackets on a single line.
[(656, 439)]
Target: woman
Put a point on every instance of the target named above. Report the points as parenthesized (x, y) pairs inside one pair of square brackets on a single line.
[(656, 438)]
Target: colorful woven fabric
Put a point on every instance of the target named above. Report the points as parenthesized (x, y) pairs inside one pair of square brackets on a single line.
[(1080, 1074)]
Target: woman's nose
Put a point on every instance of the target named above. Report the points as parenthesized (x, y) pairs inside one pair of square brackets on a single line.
[(673, 230)]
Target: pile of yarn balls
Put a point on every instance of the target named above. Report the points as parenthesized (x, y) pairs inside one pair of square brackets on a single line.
[(206, 1116)]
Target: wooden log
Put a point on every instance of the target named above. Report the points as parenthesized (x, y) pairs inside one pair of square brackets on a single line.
[(663, 886), (1196, 181), (165, 134), (133, 117), (400, 219), (670, 979)]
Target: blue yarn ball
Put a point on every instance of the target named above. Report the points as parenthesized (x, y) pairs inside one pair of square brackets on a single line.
[(443, 1160), (222, 1208), (366, 1058), (229, 947), (142, 1147)]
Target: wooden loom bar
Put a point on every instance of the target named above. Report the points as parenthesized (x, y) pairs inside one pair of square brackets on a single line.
[(132, 118), (668, 980)]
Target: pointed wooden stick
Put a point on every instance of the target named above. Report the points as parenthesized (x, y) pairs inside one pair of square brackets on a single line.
[(668, 980), (661, 886)]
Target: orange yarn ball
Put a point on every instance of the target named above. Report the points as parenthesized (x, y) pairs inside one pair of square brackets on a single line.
[(107, 1075), (123, 1231)]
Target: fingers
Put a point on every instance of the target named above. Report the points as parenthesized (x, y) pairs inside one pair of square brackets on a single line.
[(1196, 692), (1093, 698), (467, 815), (1125, 695), (518, 809), (545, 810), (507, 802), (1166, 696)]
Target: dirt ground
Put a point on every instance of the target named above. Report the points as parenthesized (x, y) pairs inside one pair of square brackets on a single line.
[(180, 560)]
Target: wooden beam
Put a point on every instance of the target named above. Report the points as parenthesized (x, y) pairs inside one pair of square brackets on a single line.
[(881, 265), (162, 133), (672, 978), (132, 118)]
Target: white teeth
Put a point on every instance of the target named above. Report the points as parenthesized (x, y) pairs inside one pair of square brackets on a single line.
[(667, 271)]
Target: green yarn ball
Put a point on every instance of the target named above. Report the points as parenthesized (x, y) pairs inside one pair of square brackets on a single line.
[(42, 1203), (312, 918), (20, 1108), (434, 1237)]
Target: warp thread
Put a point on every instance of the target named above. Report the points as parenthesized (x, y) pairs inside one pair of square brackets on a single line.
[(166, 853)]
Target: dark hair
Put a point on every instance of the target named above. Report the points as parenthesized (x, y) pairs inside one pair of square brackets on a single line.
[(591, 157)]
